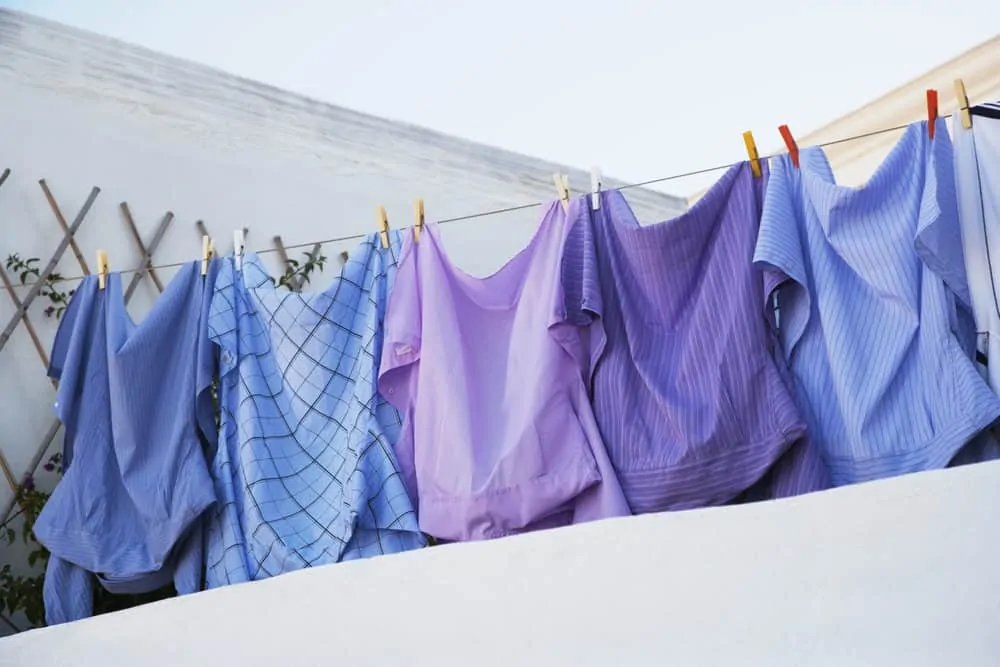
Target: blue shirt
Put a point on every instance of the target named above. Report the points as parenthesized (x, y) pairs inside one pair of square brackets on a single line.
[(305, 472), (136, 414), (875, 313)]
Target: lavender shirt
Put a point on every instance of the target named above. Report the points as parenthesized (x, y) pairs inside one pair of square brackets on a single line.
[(690, 401), (498, 434)]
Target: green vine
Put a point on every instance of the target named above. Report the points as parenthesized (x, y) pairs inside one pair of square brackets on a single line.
[(23, 593), (28, 268), (301, 272), (18, 592)]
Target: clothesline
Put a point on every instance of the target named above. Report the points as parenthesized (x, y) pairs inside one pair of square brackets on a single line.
[(508, 209), (368, 421)]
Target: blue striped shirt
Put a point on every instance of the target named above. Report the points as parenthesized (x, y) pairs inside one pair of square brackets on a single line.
[(133, 402), (875, 309)]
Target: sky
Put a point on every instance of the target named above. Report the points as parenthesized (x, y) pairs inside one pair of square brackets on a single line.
[(642, 89)]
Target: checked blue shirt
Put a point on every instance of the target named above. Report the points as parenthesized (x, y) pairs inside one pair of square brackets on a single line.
[(305, 472)]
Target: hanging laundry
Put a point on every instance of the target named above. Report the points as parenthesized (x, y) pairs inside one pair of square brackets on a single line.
[(136, 414), (304, 474), (875, 310), (688, 396), (977, 174), (498, 435)]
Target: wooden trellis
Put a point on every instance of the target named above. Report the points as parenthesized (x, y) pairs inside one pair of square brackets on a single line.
[(23, 304), (24, 296)]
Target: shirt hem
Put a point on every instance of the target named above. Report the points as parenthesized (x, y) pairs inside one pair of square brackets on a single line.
[(438, 514), (708, 481), (934, 454), (73, 547)]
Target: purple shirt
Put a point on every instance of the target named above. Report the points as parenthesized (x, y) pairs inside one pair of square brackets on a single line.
[(498, 434), (691, 404)]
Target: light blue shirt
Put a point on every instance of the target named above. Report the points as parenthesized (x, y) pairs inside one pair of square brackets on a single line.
[(305, 472), (875, 313), (136, 414)]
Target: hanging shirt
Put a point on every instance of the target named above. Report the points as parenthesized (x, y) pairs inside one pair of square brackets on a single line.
[(498, 434), (689, 399), (136, 414), (875, 308), (304, 474), (977, 175)]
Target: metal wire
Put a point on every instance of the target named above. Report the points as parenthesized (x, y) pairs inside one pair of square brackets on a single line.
[(508, 209)]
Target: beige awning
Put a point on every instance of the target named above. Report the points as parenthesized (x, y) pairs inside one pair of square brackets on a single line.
[(854, 161)]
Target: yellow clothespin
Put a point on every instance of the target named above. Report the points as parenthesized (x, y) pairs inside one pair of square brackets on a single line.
[(207, 253), (383, 226), (963, 104), (102, 269), (752, 152), (562, 189), (419, 224)]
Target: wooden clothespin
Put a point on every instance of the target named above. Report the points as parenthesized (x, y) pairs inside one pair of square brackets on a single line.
[(595, 187), (102, 269), (207, 252), (932, 111), (418, 226), (383, 226), (239, 247), (963, 104), (752, 152), (793, 148), (562, 189)]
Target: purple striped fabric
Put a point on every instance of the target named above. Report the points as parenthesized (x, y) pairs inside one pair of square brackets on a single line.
[(693, 407)]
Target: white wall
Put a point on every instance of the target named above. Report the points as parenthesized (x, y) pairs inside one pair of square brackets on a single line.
[(891, 573), (80, 110)]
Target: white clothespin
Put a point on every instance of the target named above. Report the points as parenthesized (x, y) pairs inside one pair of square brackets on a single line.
[(562, 189), (239, 246), (595, 187)]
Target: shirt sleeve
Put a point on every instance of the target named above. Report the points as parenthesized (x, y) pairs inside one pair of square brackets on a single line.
[(581, 302), (401, 327), (223, 317), (67, 326), (578, 304), (68, 592), (938, 240), (780, 252)]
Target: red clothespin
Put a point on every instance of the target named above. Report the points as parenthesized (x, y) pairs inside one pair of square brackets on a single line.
[(793, 148), (932, 111)]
